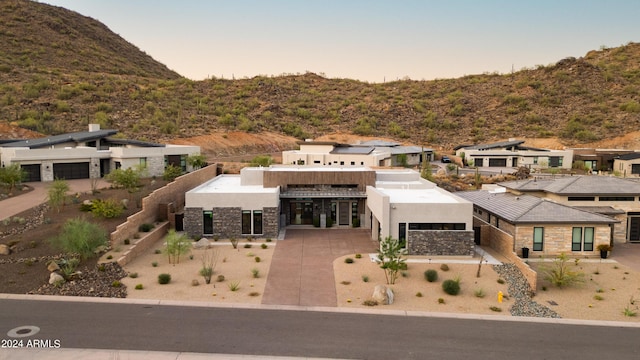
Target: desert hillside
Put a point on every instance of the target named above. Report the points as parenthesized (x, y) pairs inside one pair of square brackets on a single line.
[(60, 70)]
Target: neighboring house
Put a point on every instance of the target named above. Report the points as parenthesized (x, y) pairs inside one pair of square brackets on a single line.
[(598, 159), (391, 202), (90, 154), (512, 153), (374, 153), (607, 195), (543, 227), (628, 164)]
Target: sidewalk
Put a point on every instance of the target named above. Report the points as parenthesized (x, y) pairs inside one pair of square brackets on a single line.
[(17, 204)]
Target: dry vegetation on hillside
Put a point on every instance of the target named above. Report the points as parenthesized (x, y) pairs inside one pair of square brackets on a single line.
[(61, 70)]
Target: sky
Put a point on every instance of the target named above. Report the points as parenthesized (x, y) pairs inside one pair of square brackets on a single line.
[(367, 40)]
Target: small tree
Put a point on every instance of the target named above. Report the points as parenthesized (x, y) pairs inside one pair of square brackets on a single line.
[(57, 193), (171, 172), (560, 273), (80, 237), (12, 175), (196, 161), (209, 261), (390, 258), (426, 168), (176, 245)]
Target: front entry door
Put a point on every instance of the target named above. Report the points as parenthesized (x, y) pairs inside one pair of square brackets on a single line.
[(343, 213)]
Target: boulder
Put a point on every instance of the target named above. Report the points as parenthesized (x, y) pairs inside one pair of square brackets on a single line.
[(4, 249), (202, 244), (125, 203), (383, 295), (55, 278), (53, 266)]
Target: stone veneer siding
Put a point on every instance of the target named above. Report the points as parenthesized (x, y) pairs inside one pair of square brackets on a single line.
[(227, 222), (192, 222), (440, 242)]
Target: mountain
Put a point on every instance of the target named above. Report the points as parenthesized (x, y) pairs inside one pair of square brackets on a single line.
[(61, 70)]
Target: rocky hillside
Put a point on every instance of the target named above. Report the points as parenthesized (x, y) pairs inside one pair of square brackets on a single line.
[(62, 70)]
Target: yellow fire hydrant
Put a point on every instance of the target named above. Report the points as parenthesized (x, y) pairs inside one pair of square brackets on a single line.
[(500, 295)]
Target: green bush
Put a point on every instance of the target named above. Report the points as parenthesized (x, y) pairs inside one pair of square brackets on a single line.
[(171, 172), (348, 260), (431, 275), (164, 279), (444, 267), (107, 209), (145, 227), (257, 259), (80, 237), (451, 287), (139, 287)]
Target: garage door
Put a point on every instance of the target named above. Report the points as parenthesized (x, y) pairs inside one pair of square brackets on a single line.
[(32, 172), (70, 171), (498, 162)]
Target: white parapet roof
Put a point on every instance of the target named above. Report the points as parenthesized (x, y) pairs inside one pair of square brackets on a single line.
[(230, 184), (415, 196)]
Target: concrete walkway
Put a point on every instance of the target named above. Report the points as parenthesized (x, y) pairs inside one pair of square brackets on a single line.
[(301, 270), (17, 204)]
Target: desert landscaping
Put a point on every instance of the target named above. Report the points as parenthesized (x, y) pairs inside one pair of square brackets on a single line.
[(609, 291)]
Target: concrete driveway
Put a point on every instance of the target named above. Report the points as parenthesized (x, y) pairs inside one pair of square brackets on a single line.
[(301, 271)]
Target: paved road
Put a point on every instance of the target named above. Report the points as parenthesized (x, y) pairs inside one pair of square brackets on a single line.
[(150, 326)]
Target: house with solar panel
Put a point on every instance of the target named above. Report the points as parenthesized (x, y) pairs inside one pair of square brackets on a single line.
[(374, 153), (90, 154)]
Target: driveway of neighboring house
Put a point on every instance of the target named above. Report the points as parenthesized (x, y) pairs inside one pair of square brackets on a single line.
[(17, 204), (301, 271), (627, 254)]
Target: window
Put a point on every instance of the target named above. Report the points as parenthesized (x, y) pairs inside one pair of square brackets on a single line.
[(578, 242), (617, 198), (246, 222), (353, 163), (576, 239), (207, 222), (257, 222), (538, 238), (316, 161), (143, 163), (437, 226), (635, 168), (300, 162), (555, 161), (341, 162), (535, 160), (402, 234), (590, 164), (581, 198)]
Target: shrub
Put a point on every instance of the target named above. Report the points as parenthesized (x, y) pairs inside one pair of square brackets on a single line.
[(81, 237), (431, 275), (560, 274), (234, 242), (358, 256), (56, 193), (418, 294), (139, 287), (495, 308), (254, 293), (127, 241), (116, 284), (164, 279), (154, 264), (500, 281), (264, 246), (255, 273), (176, 245), (107, 209), (479, 293), (234, 285), (598, 297), (257, 259), (365, 278), (348, 260), (247, 246), (171, 172), (268, 240), (133, 275), (109, 257), (145, 227), (440, 301), (451, 287), (157, 251), (370, 302), (444, 267), (220, 278)]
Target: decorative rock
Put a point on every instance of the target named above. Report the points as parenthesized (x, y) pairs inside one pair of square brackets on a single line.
[(383, 295), (195, 282), (4, 249), (52, 266), (125, 203), (87, 202), (55, 278), (202, 244)]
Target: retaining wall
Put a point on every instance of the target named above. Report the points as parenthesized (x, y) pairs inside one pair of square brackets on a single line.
[(144, 243)]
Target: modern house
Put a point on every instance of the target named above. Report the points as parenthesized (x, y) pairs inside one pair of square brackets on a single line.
[(391, 202), (513, 153), (90, 154), (628, 164), (515, 222), (598, 159), (373, 153), (615, 197)]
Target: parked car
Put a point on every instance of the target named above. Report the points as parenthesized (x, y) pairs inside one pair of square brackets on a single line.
[(445, 159)]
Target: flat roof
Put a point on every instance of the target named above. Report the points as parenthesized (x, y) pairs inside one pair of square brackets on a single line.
[(336, 168), (230, 184), (419, 196)]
